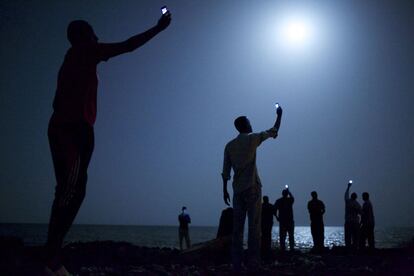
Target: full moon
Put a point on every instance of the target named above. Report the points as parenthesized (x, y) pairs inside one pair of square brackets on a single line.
[(296, 32)]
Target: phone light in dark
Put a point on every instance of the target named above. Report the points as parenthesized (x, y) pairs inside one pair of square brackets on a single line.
[(164, 10), (350, 182)]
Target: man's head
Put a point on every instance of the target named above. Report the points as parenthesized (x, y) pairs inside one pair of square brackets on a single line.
[(285, 193), (184, 208), (314, 195), (265, 199), (242, 124), (353, 196), (80, 32), (365, 196)]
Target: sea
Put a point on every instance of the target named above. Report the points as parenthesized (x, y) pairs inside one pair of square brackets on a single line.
[(167, 236)]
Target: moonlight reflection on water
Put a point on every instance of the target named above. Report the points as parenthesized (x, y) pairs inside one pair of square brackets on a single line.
[(334, 235)]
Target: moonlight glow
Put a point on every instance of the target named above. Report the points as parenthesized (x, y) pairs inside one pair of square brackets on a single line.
[(296, 32)]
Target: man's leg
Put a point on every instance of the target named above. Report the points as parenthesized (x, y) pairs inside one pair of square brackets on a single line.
[(255, 216), (180, 238), (239, 217), (321, 236), (187, 238), (292, 236), (363, 237), (314, 235), (71, 148), (282, 236), (347, 234), (371, 237), (266, 240), (355, 228)]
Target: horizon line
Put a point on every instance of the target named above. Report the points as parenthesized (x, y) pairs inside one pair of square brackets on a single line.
[(176, 225)]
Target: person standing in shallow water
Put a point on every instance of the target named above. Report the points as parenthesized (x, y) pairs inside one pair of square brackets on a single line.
[(240, 155), (367, 223), (267, 225), (316, 210), (70, 132), (284, 214), (352, 212), (183, 231)]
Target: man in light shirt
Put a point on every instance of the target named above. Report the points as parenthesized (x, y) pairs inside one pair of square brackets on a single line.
[(240, 155)]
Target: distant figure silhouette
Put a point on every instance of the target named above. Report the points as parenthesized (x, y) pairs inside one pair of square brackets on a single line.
[(183, 231), (352, 212), (71, 134), (267, 225), (284, 214), (316, 210), (367, 223), (226, 223), (240, 154)]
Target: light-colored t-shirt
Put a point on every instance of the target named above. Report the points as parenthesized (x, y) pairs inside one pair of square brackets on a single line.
[(240, 155)]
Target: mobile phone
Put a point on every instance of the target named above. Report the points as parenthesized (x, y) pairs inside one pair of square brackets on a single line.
[(277, 105), (164, 10), (287, 186), (350, 181)]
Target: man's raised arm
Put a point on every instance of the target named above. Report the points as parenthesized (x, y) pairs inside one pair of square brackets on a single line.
[(279, 113), (291, 196), (109, 50), (347, 192)]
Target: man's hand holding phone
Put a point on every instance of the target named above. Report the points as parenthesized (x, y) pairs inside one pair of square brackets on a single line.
[(165, 19), (279, 110), (278, 120)]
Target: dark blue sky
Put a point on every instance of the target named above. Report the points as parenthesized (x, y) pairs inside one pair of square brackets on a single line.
[(166, 111)]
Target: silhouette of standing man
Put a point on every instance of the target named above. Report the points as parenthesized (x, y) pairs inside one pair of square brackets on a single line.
[(240, 154), (352, 212), (183, 231), (316, 210), (284, 214), (71, 134), (267, 225), (367, 223)]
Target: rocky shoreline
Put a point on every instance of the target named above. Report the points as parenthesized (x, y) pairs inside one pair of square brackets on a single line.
[(121, 258)]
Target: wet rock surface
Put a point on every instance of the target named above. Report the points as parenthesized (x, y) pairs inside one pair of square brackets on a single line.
[(121, 258)]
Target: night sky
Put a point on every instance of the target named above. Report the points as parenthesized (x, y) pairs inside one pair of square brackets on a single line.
[(166, 111)]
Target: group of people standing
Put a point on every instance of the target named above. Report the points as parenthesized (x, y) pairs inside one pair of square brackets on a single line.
[(240, 156), (359, 221), (283, 211)]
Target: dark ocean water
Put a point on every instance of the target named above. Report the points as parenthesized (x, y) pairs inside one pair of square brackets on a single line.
[(167, 236)]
